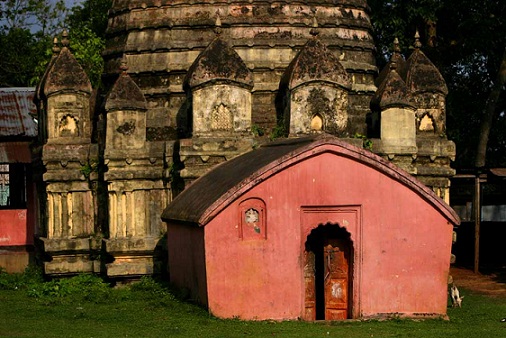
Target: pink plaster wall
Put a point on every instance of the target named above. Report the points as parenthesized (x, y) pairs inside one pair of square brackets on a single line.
[(14, 229), (401, 243)]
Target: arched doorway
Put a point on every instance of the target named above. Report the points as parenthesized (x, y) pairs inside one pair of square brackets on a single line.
[(328, 271)]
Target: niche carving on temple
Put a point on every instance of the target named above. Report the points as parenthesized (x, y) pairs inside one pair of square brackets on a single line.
[(317, 123), (221, 118), (426, 123), (68, 126), (252, 224)]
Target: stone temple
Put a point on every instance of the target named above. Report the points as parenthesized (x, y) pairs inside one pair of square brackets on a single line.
[(191, 84)]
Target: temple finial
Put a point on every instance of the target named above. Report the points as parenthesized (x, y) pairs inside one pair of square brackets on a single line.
[(397, 47), (393, 65), (217, 28), (65, 38), (314, 31), (56, 48), (418, 44), (123, 66)]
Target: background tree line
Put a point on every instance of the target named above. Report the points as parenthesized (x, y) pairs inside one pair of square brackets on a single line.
[(466, 39), (27, 31)]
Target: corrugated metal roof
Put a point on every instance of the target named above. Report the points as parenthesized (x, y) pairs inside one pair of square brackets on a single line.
[(16, 111)]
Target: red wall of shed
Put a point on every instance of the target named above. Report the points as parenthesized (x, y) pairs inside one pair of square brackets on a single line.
[(404, 243), (14, 230)]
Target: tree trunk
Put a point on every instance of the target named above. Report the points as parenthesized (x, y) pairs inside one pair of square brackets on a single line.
[(489, 114)]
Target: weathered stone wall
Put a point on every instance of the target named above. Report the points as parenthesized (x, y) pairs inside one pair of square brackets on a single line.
[(330, 103)]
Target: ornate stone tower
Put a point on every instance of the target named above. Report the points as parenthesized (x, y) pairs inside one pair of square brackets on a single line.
[(207, 81), (161, 39), (410, 107), (66, 195)]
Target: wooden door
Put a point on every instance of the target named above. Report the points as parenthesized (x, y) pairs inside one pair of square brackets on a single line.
[(309, 281), (336, 275)]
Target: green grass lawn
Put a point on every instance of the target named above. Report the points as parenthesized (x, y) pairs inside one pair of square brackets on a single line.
[(88, 308)]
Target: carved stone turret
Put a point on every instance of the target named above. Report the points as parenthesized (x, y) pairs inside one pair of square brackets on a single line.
[(137, 189), (412, 101), (317, 87), (67, 159), (219, 87), (429, 91)]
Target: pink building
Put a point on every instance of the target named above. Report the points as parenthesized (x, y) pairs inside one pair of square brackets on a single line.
[(311, 229), (17, 201)]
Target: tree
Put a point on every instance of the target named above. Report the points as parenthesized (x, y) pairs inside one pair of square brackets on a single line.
[(41, 16), (87, 24), (17, 61), (28, 30), (24, 37), (466, 39)]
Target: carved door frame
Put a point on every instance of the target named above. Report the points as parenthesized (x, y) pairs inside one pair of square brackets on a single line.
[(348, 218)]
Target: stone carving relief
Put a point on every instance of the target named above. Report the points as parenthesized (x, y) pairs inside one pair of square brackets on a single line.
[(221, 118), (127, 128)]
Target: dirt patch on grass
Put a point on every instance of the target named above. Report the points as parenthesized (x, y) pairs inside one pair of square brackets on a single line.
[(492, 283)]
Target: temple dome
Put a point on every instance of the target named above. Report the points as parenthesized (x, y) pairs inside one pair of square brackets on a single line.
[(219, 63), (421, 74), (65, 73), (315, 63), (125, 94), (392, 92)]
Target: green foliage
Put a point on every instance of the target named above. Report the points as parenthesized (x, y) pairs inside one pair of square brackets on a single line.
[(91, 14), (41, 16), (367, 143), (20, 281), (278, 131), (81, 288), (158, 293), (88, 168), (19, 56), (27, 34), (256, 130), (87, 48), (87, 25)]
